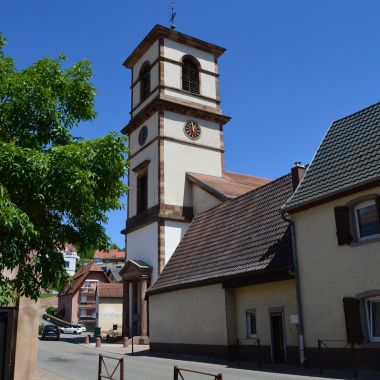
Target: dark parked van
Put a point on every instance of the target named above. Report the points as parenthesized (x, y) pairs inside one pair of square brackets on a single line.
[(50, 332)]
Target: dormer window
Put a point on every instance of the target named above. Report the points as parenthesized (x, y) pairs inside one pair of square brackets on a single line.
[(144, 77), (190, 75)]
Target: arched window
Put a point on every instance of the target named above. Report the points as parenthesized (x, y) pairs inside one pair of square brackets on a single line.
[(190, 75), (144, 77)]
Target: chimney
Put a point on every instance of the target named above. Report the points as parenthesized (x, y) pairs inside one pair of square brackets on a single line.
[(297, 171)]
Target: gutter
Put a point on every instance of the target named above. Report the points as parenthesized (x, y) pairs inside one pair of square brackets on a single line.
[(298, 291)]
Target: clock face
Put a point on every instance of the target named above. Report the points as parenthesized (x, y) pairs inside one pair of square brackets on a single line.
[(192, 130), (143, 134)]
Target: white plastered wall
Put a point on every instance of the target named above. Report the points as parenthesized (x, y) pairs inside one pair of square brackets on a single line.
[(329, 272), (262, 297), (180, 158), (173, 76), (142, 245), (152, 125), (174, 232), (150, 55), (151, 154), (175, 50), (189, 316), (110, 312), (202, 200), (186, 159)]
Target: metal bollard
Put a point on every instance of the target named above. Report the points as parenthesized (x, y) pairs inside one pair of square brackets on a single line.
[(87, 339), (126, 344), (98, 342)]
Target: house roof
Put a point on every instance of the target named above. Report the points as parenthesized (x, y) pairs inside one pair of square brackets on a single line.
[(110, 254), (79, 277), (115, 271), (240, 237), (112, 290), (231, 185), (347, 159)]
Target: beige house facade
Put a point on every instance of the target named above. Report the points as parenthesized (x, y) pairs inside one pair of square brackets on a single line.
[(109, 306), (336, 216)]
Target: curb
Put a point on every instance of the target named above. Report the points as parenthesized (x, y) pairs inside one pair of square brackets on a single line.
[(102, 350)]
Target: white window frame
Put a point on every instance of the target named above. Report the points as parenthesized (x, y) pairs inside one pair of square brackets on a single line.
[(369, 302), (357, 207), (248, 313)]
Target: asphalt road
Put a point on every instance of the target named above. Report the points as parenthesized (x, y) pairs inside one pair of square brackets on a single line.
[(63, 360)]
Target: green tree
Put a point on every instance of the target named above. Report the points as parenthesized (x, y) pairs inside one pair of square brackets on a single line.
[(54, 187)]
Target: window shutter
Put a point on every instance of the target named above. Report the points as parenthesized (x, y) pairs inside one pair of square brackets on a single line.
[(352, 317), (378, 206), (342, 222)]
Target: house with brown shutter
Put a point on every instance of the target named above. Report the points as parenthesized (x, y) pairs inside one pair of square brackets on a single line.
[(335, 212), (231, 279)]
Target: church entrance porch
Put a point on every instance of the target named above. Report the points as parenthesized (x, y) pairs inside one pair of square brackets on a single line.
[(136, 280)]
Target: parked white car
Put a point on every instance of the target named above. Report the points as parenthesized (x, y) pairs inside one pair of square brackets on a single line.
[(74, 329), (83, 327)]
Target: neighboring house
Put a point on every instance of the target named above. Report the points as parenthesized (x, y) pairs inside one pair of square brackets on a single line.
[(113, 256), (231, 278), (336, 212), (77, 303), (176, 152), (109, 306), (70, 257)]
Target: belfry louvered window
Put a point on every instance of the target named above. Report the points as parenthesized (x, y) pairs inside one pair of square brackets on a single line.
[(144, 77), (190, 75)]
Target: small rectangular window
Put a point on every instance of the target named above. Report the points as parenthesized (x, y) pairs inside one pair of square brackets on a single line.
[(373, 319), (251, 323), (67, 264), (142, 192), (367, 220)]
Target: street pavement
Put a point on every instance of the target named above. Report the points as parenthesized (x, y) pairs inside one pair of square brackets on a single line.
[(70, 359)]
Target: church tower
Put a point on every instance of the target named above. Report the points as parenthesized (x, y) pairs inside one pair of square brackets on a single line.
[(176, 127)]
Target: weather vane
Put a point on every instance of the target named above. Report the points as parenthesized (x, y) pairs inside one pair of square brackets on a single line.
[(172, 25)]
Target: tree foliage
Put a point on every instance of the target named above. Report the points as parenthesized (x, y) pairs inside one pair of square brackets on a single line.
[(54, 187)]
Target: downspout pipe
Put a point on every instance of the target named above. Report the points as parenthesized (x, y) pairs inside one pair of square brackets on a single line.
[(298, 290)]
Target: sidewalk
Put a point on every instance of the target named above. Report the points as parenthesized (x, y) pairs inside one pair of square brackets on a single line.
[(114, 348)]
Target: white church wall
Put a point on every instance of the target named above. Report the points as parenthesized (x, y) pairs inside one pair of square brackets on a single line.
[(154, 75), (150, 55), (175, 50), (189, 316), (172, 75), (174, 124), (203, 200), (189, 97), (174, 232), (208, 85), (186, 159), (152, 125), (142, 245), (154, 94), (151, 154)]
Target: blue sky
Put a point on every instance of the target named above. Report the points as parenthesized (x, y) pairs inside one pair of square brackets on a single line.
[(290, 69)]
